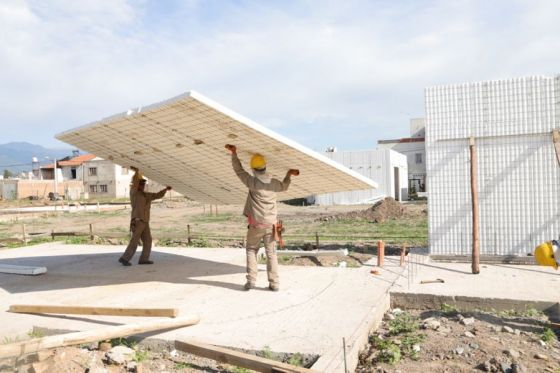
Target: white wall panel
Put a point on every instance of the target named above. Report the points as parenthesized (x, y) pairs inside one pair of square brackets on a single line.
[(518, 176)]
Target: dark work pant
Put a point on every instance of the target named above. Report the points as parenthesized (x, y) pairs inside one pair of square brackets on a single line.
[(140, 231)]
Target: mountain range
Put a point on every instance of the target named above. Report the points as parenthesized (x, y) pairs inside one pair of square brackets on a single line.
[(17, 156)]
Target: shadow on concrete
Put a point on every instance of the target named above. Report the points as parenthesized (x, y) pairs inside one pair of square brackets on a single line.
[(86, 270)]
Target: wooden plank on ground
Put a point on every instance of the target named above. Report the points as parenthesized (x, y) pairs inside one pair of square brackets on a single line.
[(70, 339), (240, 359), (22, 270), (84, 310)]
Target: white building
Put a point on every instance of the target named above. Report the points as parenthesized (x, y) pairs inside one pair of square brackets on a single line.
[(518, 174), (384, 166), (415, 150), (103, 178)]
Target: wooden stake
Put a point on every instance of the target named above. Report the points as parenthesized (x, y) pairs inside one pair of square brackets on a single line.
[(380, 253), (100, 334), (189, 234), (556, 141), (24, 234), (237, 358), (403, 254), (474, 197), (83, 310), (91, 232), (317, 240)]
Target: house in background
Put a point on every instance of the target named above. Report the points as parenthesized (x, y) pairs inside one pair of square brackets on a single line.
[(384, 166), (103, 178), (414, 148)]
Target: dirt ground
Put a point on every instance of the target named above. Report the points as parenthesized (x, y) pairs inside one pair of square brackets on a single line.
[(90, 358), (450, 341)]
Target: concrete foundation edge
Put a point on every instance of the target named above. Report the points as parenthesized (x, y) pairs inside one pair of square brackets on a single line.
[(333, 360), (433, 301)]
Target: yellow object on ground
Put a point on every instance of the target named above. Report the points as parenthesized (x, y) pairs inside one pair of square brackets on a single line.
[(544, 255)]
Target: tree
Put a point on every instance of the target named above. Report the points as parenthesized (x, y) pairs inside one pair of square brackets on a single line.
[(7, 174)]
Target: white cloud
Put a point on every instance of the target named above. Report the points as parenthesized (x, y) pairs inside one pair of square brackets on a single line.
[(326, 73)]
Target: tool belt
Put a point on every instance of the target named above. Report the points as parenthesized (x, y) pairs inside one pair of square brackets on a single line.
[(277, 230)]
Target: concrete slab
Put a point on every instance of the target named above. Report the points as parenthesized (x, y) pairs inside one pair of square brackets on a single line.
[(315, 308), (494, 283)]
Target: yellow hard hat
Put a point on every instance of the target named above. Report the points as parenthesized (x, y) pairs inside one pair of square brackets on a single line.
[(544, 255), (258, 162)]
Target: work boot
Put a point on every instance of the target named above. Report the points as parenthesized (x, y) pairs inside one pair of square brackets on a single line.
[(274, 287), (146, 262), (124, 262), (249, 285)]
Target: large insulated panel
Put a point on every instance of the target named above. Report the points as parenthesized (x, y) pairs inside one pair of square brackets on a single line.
[(180, 142), (518, 175)]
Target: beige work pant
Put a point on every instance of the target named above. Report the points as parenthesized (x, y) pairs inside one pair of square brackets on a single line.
[(140, 231), (254, 237)]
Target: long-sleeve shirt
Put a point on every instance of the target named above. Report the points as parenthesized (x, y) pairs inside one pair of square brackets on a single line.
[(260, 206), (141, 203)]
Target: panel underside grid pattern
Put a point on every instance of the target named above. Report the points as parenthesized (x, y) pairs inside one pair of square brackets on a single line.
[(518, 175), (161, 142)]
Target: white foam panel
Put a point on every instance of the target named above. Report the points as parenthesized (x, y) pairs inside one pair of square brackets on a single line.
[(180, 142)]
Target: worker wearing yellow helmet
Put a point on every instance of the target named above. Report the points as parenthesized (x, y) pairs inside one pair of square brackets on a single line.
[(261, 212), (548, 254)]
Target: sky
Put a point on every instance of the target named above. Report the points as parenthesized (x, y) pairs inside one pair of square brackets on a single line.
[(323, 73)]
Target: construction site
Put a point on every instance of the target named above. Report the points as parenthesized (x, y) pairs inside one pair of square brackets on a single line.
[(383, 285)]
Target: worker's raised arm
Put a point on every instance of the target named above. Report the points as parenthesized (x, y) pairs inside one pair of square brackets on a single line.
[(158, 195), (243, 175)]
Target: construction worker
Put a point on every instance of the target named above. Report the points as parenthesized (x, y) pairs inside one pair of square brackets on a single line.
[(261, 212), (141, 202), (548, 254)]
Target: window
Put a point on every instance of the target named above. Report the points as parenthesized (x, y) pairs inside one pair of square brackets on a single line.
[(418, 158), (93, 171), (103, 188), (73, 172), (93, 188)]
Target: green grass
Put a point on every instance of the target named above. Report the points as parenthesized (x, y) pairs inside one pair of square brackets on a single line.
[(389, 352), (180, 366), (449, 309), (548, 335), (239, 370), (296, 359), (532, 312), (130, 343), (141, 355), (403, 323), (34, 241), (35, 333), (267, 353), (78, 240), (199, 242), (207, 218)]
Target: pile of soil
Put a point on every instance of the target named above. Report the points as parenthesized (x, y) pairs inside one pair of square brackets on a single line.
[(436, 341), (385, 209)]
